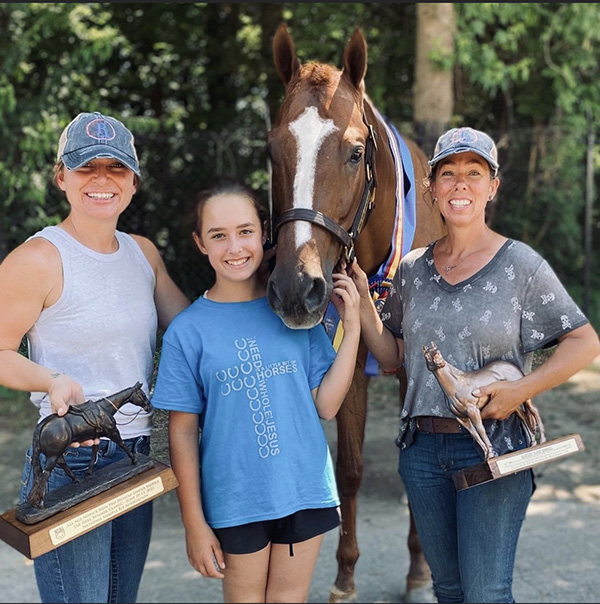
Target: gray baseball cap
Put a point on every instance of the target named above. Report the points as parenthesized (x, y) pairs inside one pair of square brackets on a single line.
[(93, 135), (461, 140)]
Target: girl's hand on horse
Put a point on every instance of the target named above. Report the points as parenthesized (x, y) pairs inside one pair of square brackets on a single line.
[(360, 280), (85, 443), (346, 300)]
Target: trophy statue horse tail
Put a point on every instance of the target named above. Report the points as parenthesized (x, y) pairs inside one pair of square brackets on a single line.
[(458, 386), (90, 420)]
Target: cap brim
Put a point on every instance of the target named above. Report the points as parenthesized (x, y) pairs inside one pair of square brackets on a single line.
[(434, 160), (80, 157)]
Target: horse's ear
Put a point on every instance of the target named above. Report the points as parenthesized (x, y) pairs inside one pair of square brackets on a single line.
[(284, 54), (355, 59)]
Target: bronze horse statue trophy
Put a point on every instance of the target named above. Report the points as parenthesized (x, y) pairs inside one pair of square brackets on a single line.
[(92, 419), (335, 186), (458, 385)]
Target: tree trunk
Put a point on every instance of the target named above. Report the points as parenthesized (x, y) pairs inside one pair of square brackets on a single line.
[(433, 94)]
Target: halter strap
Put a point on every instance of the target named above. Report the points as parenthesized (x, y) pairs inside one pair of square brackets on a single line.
[(317, 218)]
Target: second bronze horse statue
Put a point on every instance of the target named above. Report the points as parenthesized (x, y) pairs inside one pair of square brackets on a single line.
[(92, 419), (458, 386)]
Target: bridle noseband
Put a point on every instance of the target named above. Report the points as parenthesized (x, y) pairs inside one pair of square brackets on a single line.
[(347, 238)]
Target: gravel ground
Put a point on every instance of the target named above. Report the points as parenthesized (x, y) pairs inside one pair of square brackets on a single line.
[(558, 551)]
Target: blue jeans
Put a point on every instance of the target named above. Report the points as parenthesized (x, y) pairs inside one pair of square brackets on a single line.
[(106, 564), (469, 537)]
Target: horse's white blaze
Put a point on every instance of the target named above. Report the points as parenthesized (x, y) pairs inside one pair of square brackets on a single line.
[(309, 130)]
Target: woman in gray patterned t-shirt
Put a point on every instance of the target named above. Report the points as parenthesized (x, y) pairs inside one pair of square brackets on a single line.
[(480, 297)]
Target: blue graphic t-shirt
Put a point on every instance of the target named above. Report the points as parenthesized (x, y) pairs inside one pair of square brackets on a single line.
[(263, 450)]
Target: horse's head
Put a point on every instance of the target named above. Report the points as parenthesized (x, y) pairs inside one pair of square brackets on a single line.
[(433, 357), (319, 147), (138, 397)]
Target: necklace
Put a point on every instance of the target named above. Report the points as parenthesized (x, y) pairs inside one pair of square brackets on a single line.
[(449, 267)]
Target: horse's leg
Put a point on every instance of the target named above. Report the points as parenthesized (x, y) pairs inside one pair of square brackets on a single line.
[(116, 438), (93, 457), (531, 416), (63, 464), (349, 471), (419, 587), (475, 426)]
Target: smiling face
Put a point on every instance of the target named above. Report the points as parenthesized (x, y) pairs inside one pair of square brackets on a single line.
[(463, 186), (231, 236), (102, 188)]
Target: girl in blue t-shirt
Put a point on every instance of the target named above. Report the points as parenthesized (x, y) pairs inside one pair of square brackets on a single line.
[(257, 491)]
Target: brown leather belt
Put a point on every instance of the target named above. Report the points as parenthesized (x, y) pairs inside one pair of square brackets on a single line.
[(438, 425)]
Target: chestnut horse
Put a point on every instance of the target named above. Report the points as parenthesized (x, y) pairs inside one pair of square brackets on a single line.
[(334, 189)]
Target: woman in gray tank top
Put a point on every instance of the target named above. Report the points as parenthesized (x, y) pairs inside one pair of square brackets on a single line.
[(89, 299), (475, 297)]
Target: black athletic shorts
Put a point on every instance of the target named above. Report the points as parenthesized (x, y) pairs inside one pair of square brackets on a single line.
[(303, 525)]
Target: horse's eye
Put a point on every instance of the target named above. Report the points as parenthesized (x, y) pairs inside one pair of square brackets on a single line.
[(356, 156)]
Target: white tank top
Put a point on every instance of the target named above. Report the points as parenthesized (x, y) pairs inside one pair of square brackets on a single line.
[(102, 329)]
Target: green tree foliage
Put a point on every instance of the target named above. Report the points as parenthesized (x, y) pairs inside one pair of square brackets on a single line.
[(528, 74), (196, 84)]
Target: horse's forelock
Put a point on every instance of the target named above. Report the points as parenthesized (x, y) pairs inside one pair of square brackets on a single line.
[(325, 77), (320, 74)]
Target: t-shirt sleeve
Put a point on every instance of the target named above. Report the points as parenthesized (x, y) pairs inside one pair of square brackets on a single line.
[(391, 311), (322, 355), (176, 388), (548, 310)]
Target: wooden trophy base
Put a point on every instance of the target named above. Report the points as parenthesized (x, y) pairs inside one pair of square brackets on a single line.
[(84, 506), (504, 465)]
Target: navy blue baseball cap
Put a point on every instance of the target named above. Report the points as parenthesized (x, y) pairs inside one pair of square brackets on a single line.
[(93, 135), (461, 140)]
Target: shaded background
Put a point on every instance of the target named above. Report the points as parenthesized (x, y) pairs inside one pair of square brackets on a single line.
[(196, 84), (558, 551)]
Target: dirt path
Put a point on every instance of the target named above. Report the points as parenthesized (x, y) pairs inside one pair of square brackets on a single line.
[(558, 550)]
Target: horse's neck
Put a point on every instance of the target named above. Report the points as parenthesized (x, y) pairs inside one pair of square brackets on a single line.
[(120, 398), (447, 374)]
